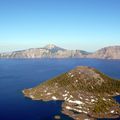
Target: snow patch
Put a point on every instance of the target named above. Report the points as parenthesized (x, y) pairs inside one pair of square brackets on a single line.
[(31, 96), (79, 107), (104, 99), (65, 98), (76, 102), (81, 98), (112, 111), (45, 91), (54, 98), (67, 107), (92, 100), (85, 112), (49, 93), (87, 99), (72, 75), (71, 96), (64, 95), (76, 80)]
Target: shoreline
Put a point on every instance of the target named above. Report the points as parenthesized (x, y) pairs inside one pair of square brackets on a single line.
[(71, 114)]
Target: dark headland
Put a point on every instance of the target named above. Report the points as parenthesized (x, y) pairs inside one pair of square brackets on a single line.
[(87, 93)]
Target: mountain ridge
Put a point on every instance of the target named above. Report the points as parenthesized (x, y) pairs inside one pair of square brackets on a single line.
[(53, 51)]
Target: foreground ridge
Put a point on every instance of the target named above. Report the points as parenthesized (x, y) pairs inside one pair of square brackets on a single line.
[(86, 93)]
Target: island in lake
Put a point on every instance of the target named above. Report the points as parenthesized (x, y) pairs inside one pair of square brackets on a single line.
[(86, 93)]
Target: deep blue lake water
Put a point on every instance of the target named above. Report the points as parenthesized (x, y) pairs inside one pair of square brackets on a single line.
[(15, 75)]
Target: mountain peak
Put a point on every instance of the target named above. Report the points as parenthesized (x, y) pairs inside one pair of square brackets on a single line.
[(53, 47), (50, 46), (53, 51)]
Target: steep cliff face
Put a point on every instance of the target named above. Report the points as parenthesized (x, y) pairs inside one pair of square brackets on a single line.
[(84, 90), (112, 52), (49, 51), (53, 51)]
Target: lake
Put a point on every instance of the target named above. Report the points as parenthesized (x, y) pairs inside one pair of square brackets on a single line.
[(16, 75)]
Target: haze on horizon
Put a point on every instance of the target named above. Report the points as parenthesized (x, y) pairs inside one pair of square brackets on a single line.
[(71, 24)]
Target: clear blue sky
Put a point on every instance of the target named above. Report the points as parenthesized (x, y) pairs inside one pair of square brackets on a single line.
[(72, 24)]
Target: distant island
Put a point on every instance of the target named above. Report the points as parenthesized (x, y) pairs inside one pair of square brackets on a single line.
[(86, 93), (53, 51)]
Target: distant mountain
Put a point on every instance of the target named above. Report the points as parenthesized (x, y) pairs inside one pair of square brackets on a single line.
[(49, 51), (53, 48), (112, 52), (53, 51), (86, 93)]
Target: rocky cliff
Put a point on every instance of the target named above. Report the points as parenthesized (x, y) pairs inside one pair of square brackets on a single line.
[(49, 51), (53, 51), (112, 52)]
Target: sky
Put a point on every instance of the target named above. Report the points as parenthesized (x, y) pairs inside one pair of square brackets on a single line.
[(72, 24)]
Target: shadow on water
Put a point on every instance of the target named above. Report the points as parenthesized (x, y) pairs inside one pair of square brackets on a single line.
[(54, 106), (117, 98)]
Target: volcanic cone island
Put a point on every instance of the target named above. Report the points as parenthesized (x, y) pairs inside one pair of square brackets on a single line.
[(86, 93)]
